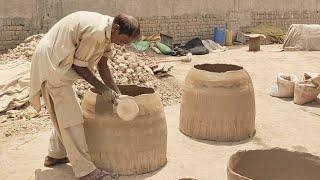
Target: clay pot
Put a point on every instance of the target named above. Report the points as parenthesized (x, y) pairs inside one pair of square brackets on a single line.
[(273, 164), (126, 147), (218, 103)]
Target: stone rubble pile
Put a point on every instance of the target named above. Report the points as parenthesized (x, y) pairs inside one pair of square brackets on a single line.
[(23, 51), (130, 68), (127, 67)]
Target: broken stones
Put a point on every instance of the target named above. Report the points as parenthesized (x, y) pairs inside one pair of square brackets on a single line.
[(130, 71), (122, 67), (23, 51)]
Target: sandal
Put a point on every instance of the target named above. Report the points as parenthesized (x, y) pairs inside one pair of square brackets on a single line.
[(49, 161)]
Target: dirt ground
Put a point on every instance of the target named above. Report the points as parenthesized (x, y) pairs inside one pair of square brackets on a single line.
[(279, 123)]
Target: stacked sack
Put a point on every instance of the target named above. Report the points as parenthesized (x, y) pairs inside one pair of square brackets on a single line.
[(288, 86), (307, 90)]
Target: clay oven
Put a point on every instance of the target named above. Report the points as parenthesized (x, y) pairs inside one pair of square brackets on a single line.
[(218, 103), (273, 164), (126, 147)]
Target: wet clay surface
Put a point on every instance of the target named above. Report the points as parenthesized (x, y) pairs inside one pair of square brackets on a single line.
[(218, 68), (275, 164), (132, 90)]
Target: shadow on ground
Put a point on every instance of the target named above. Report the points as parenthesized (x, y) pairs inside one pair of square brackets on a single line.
[(286, 99), (65, 172), (140, 177), (315, 104), (217, 143)]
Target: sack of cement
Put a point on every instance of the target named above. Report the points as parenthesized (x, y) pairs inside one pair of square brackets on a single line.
[(212, 46), (305, 92), (313, 77), (284, 87)]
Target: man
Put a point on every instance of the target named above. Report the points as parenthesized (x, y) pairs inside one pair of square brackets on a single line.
[(69, 51)]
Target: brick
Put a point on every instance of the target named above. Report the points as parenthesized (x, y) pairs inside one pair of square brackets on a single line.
[(6, 28), (7, 33), (26, 27), (8, 38), (21, 36), (14, 21), (19, 28), (13, 28), (15, 37), (11, 33), (8, 21)]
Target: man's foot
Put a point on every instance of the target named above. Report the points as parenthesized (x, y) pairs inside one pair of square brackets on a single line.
[(99, 175), (49, 161)]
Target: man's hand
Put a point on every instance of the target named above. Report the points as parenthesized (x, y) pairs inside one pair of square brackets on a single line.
[(110, 95), (107, 94), (100, 88)]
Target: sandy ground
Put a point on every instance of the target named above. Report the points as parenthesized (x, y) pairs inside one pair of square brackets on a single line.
[(279, 123)]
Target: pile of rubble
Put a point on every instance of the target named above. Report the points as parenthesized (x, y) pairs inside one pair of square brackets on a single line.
[(24, 121), (23, 51), (131, 68), (127, 67)]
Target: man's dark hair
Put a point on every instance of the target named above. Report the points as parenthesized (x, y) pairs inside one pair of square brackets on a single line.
[(128, 25)]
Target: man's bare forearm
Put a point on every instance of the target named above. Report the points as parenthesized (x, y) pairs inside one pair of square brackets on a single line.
[(106, 75), (87, 75)]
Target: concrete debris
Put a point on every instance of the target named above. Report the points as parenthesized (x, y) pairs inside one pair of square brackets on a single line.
[(161, 70), (132, 68), (127, 68), (23, 121), (23, 51)]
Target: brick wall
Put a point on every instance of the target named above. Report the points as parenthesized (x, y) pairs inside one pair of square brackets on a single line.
[(183, 28), (13, 31), (182, 21), (48, 12), (285, 19)]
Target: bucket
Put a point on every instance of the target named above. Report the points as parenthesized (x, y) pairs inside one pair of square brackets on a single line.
[(219, 35)]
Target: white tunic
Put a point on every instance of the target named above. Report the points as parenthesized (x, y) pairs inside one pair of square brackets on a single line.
[(80, 38)]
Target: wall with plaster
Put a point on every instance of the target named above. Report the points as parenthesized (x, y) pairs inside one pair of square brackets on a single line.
[(182, 19)]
